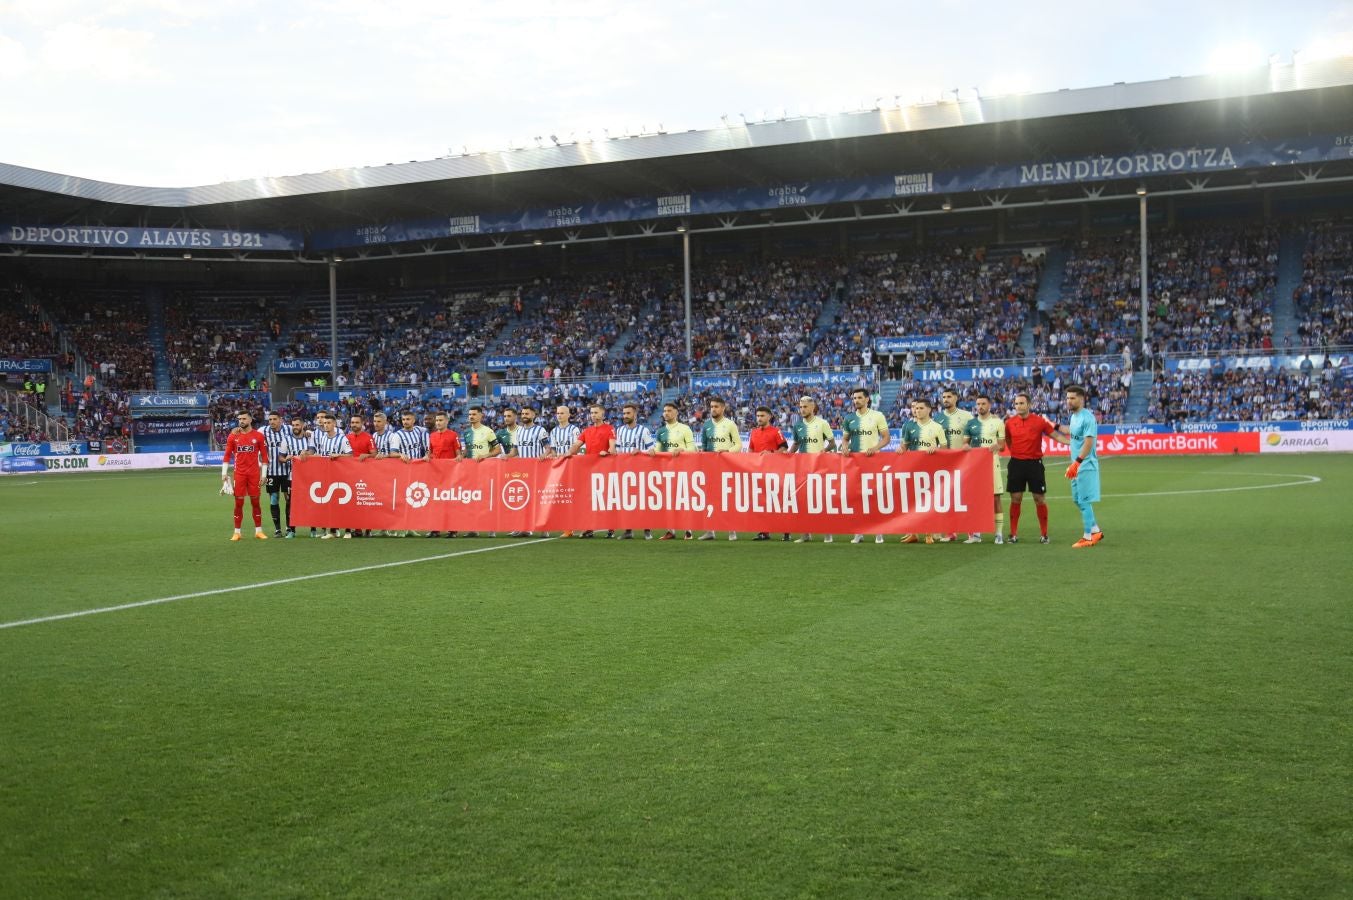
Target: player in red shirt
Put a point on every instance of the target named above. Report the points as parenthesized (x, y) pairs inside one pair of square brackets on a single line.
[(1024, 433), (766, 438), (363, 446), (597, 438), (247, 449), (443, 443)]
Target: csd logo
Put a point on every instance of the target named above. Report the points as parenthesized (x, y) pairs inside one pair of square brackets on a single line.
[(343, 491), (417, 495)]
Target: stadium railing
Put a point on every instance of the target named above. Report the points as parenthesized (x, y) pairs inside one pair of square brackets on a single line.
[(20, 409)]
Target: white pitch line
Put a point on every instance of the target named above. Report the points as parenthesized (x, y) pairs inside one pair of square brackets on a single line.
[(1309, 479), (264, 584)]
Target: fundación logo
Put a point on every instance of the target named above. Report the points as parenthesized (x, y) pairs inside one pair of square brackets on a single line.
[(343, 491)]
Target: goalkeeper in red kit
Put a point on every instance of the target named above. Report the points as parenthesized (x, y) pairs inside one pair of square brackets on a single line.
[(247, 450)]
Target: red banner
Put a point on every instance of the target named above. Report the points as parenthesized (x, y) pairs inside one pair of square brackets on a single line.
[(890, 493), (1182, 444)]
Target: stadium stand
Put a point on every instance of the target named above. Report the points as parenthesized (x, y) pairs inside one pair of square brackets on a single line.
[(1324, 300), (1251, 395), (213, 339), (109, 327)]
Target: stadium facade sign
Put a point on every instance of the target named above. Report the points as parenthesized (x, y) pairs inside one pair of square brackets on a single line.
[(1077, 170), (920, 343), (499, 362), (1313, 361), (149, 238), (25, 365), (161, 402), (982, 373), (544, 390), (302, 366), (408, 393)]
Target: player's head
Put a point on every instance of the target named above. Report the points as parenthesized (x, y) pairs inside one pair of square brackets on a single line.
[(379, 421), (297, 426), (328, 422), (1075, 397), (528, 415), (920, 409), (762, 416), (807, 407), (669, 413), (860, 397), (274, 420), (509, 417), (1021, 404), (597, 413), (949, 399), (717, 407), (476, 415), (441, 421), (429, 418), (629, 414), (982, 403), (407, 419), (244, 420), (562, 414), (356, 424)]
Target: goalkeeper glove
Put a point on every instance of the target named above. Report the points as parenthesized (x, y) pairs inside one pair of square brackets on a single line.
[(1073, 469)]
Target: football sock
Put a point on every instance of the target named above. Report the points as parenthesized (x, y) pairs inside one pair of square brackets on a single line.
[(1087, 517), (275, 507), (1000, 520), (1014, 518), (239, 512), (258, 513), (1042, 519), (289, 511)]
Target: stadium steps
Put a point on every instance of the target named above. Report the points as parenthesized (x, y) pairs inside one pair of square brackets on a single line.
[(888, 392), (1049, 292), (1139, 396), (623, 342), (155, 331), (1285, 320)]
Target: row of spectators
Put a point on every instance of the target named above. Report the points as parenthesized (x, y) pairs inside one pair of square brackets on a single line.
[(1251, 395), (1324, 299), (213, 342), (980, 303), (572, 323), (24, 333), (1108, 385), (110, 328), (430, 342)]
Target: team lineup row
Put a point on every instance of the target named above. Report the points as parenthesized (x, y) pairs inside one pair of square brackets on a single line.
[(864, 430)]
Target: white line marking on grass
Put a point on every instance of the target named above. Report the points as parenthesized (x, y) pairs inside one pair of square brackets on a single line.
[(1307, 479), (264, 584)]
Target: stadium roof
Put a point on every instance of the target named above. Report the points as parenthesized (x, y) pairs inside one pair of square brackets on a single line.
[(1268, 95)]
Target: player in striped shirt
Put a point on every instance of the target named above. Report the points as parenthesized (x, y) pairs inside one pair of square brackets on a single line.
[(411, 441), (865, 431), (331, 443), (562, 438), (529, 441), (719, 435), (384, 435), (282, 449), (955, 420), (676, 438), (633, 437), (812, 434), (988, 432)]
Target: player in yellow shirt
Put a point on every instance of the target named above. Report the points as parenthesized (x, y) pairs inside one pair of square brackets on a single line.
[(925, 435), (480, 440), (719, 435), (864, 431), (988, 431), (676, 438), (955, 421), (812, 434)]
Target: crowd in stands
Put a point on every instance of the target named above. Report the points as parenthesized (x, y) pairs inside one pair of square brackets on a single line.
[(98, 415), (14, 427), (213, 342), (24, 333), (110, 328), (1251, 395), (1324, 299), (429, 342), (980, 302), (1108, 384), (743, 316), (1208, 289)]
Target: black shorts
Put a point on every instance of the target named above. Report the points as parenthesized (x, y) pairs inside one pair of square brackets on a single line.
[(278, 484), (1026, 475)]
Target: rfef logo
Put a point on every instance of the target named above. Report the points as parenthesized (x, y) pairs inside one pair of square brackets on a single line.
[(516, 494), (343, 491)]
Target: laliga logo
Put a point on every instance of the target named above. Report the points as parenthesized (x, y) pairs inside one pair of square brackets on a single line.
[(336, 488), (417, 495)]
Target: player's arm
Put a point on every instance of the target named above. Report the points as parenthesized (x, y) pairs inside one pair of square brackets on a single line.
[(576, 448), (495, 447), (610, 446), (228, 460), (647, 441), (1087, 446)]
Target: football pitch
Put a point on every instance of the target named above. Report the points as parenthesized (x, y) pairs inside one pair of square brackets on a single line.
[(1169, 714)]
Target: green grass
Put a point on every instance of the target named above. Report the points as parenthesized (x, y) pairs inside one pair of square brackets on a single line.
[(1168, 714)]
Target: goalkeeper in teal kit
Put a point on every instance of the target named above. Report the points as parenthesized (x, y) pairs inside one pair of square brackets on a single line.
[(1084, 468)]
